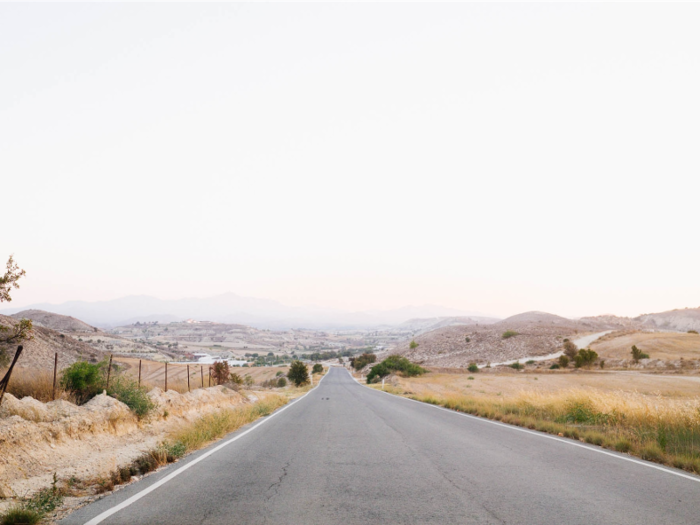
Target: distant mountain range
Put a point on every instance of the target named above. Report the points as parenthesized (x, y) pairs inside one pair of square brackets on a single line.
[(232, 308)]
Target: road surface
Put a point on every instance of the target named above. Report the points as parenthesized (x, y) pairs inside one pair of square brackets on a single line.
[(346, 454)]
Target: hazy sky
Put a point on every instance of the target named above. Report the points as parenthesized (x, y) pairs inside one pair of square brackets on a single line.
[(494, 158)]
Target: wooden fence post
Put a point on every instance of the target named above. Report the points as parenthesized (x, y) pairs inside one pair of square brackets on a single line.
[(109, 370), (188, 378), (201, 370), (55, 367), (166, 376), (209, 376), (139, 373), (6, 380)]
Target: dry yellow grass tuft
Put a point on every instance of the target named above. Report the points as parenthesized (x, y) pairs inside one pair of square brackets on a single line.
[(35, 383)]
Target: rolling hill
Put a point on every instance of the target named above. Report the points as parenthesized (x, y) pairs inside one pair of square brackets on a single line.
[(535, 334)]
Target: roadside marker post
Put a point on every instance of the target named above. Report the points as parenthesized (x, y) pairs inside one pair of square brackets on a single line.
[(166, 376), (382, 383)]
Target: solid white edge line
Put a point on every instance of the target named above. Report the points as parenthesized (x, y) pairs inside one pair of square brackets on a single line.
[(539, 434), (106, 514)]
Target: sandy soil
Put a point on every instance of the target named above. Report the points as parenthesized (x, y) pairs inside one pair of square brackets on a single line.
[(89, 441)]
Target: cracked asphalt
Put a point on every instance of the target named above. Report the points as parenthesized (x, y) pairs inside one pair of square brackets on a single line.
[(347, 454)]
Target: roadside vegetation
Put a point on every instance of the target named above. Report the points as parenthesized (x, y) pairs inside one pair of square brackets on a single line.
[(653, 427), (394, 364), (358, 363)]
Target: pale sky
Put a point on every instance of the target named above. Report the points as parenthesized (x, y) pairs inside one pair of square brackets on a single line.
[(488, 157)]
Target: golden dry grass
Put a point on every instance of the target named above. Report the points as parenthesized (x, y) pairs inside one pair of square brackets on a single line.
[(35, 383), (216, 425), (659, 345), (605, 409)]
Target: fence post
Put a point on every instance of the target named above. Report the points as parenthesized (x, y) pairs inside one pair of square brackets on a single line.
[(139, 373), (209, 376), (166, 376), (188, 378), (55, 367), (109, 370), (201, 370), (6, 380)]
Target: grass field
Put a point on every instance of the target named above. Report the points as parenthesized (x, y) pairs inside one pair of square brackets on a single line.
[(659, 345), (655, 417)]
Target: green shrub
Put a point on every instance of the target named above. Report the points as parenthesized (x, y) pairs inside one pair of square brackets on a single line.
[(693, 332), (413, 345), (317, 369), (508, 334), (585, 358), (20, 516), (298, 373), (46, 500), (530, 362), (473, 367), (563, 361), (128, 392), (236, 379), (279, 373), (517, 365), (281, 382), (554, 367), (466, 339), (358, 363), (395, 363), (85, 380)]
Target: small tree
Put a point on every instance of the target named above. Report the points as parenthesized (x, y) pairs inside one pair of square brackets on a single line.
[(298, 373), (637, 354), (563, 361), (317, 369), (473, 367), (236, 379), (281, 382), (585, 358), (248, 380), (413, 345), (13, 273), (220, 372), (570, 349)]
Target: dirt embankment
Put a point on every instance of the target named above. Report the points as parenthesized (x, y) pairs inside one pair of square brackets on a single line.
[(90, 441)]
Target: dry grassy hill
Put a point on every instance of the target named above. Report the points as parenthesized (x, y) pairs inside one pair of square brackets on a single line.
[(60, 323), (536, 334), (667, 346), (39, 351)]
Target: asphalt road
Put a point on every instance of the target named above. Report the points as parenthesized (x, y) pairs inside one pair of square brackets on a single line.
[(347, 454)]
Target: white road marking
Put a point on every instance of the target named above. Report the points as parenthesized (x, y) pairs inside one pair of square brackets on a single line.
[(542, 435), (133, 499)]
